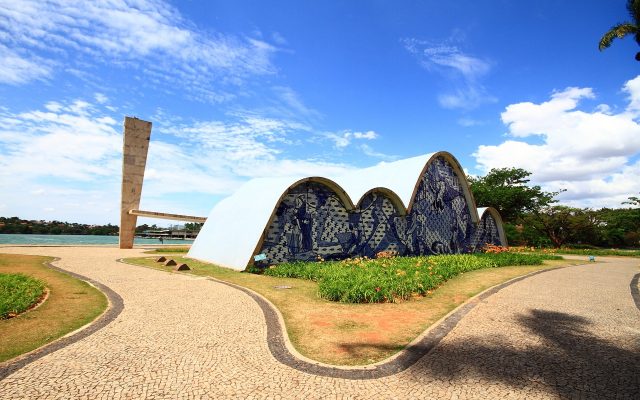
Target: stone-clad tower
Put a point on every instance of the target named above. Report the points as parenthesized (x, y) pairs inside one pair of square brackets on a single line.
[(134, 151)]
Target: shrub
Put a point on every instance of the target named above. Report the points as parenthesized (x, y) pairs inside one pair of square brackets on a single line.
[(363, 280), (17, 293), (172, 250), (583, 252)]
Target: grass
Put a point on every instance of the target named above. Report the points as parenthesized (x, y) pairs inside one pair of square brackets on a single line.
[(71, 304), (164, 250), (363, 280), (582, 252), (356, 334), (18, 292)]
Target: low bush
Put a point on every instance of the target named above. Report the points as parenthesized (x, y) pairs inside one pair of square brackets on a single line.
[(17, 293), (172, 250), (362, 280), (580, 252)]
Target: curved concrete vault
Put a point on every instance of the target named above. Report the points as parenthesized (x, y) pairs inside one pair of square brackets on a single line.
[(416, 206)]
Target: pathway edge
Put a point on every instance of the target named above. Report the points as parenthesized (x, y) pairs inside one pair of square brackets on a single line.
[(283, 350), (114, 308)]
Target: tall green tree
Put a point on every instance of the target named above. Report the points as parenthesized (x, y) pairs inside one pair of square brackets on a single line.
[(623, 29), (507, 190)]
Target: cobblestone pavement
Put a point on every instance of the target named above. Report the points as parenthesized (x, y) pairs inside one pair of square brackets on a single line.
[(573, 332)]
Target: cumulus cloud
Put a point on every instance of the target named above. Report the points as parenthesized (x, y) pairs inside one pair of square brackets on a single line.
[(589, 153), (462, 71), (149, 36)]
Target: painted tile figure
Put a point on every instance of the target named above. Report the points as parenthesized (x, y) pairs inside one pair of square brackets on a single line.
[(306, 224)]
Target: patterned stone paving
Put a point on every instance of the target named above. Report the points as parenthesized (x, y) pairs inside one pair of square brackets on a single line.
[(569, 333)]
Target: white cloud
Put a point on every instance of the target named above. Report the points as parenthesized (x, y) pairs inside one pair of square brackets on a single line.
[(469, 122), (148, 35), (466, 97), (67, 155), (53, 106), (68, 144), (434, 56), (367, 150), (16, 69), (586, 152), (464, 72), (279, 39), (291, 105), (344, 138), (101, 98), (369, 135), (249, 137), (632, 89), (288, 167)]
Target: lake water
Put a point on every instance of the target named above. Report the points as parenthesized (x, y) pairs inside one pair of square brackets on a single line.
[(77, 239)]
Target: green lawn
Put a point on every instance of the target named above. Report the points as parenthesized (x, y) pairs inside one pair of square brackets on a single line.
[(71, 304)]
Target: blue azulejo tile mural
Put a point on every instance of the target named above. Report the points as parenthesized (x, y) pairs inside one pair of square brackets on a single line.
[(312, 222)]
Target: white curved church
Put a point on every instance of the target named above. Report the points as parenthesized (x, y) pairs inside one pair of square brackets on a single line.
[(416, 206)]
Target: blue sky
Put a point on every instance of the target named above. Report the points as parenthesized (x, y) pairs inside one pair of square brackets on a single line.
[(243, 89)]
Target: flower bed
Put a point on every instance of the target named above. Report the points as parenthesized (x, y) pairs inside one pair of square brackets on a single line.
[(391, 279)]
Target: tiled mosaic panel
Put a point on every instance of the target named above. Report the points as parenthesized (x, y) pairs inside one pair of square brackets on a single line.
[(376, 223), (439, 221), (311, 222), (486, 233)]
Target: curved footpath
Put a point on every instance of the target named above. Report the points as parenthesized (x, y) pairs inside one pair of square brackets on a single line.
[(572, 332)]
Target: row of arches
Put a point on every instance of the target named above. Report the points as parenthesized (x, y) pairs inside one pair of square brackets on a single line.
[(315, 218)]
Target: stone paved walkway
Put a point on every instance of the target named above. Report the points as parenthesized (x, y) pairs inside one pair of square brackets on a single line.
[(571, 333)]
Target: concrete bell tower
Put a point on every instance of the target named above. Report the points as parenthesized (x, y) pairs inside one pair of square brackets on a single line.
[(137, 134)]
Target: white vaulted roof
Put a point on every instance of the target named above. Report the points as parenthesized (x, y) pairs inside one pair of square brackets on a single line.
[(235, 225)]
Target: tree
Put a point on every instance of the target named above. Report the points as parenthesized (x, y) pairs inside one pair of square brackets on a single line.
[(193, 226), (562, 225), (633, 200), (623, 29), (506, 190), (142, 228)]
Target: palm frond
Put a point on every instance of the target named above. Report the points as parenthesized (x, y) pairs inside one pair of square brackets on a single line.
[(618, 31), (633, 7)]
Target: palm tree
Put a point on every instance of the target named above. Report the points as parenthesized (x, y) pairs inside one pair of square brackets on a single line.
[(625, 28)]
